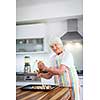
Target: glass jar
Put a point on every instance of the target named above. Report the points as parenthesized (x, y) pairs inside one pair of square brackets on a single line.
[(27, 67)]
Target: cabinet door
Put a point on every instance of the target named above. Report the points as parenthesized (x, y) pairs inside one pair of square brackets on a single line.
[(30, 45), (81, 92), (30, 31), (81, 88)]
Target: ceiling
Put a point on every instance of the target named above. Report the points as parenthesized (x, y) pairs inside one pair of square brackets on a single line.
[(20, 3), (26, 3)]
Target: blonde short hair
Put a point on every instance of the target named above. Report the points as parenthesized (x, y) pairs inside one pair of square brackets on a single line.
[(54, 40)]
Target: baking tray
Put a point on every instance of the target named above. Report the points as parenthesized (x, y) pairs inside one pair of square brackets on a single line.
[(38, 87)]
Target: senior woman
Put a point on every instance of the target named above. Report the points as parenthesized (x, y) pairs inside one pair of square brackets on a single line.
[(62, 67)]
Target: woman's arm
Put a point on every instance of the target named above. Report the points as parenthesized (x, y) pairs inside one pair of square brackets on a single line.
[(53, 70), (45, 75), (56, 71)]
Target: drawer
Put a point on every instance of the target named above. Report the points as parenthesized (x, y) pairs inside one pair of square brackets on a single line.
[(81, 80), (31, 78), (27, 78), (19, 78)]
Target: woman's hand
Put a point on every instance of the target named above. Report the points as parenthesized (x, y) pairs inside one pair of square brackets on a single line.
[(41, 65), (45, 75), (39, 75)]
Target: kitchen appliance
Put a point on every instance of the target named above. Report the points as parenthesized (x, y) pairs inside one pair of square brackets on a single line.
[(27, 67), (72, 31)]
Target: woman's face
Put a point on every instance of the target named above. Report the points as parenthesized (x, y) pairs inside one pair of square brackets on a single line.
[(57, 48)]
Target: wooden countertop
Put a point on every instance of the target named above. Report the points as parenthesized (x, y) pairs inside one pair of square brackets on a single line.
[(55, 94)]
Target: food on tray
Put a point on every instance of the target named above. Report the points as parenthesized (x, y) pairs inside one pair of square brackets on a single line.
[(48, 87), (42, 87)]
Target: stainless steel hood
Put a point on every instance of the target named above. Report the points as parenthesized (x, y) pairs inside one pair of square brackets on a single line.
[(72, 36), (72, 33)]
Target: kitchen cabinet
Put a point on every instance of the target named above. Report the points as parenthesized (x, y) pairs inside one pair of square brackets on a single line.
[(24, 79), (29, 77), (31, 39), (30, 31), (30, 45), (81, 92), (81, 87)]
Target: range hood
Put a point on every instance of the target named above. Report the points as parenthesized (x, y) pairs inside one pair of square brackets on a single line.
[(72, 33)]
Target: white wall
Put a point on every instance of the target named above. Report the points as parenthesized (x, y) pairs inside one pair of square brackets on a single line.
[(33, 58), (56, 28), (49, 10), (77, 51)]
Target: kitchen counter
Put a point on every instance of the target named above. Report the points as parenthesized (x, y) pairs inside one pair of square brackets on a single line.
[(55, 94)]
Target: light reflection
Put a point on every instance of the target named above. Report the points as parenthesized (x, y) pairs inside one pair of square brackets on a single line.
[(72, 45), (77, 45), (68, 46)]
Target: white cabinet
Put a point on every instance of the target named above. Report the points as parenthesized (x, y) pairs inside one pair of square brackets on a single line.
[(30, 31), (81, 87), (30, 45), (81, 92), (31, 38)]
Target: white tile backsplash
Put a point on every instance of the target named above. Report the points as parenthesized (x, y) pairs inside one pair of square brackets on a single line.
[(33, 58)]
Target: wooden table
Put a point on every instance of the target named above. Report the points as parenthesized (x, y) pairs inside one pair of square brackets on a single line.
[(56, 94)]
